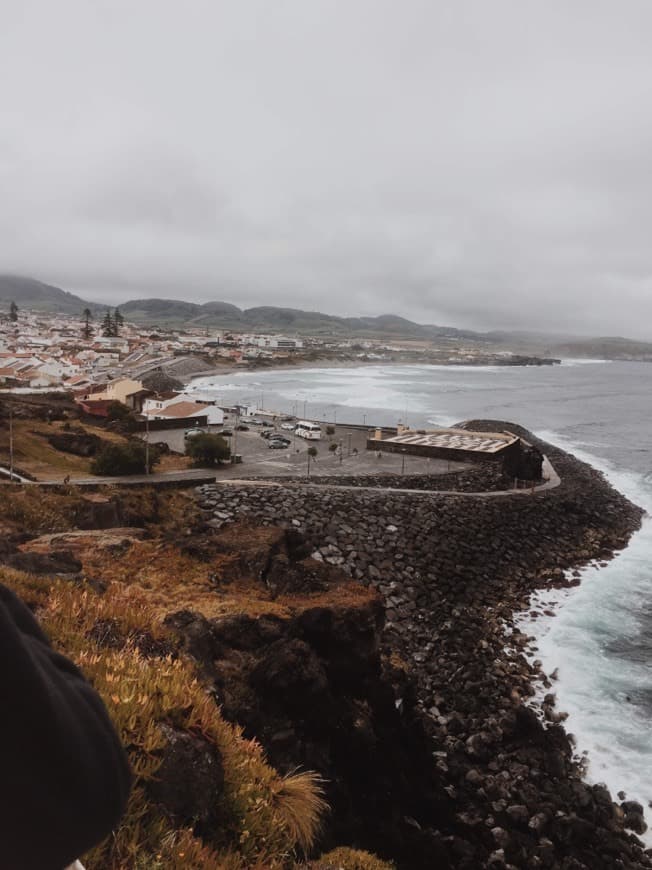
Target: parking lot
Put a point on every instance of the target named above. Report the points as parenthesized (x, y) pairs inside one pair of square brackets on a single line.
[(350, 456)]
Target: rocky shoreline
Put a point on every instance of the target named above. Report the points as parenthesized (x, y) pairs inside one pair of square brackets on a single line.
[(451, 573)]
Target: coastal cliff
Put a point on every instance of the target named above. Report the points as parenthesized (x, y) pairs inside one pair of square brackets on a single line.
[(365, 637), (452, 571)]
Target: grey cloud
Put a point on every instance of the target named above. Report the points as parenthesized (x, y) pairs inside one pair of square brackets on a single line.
[(481, 164)]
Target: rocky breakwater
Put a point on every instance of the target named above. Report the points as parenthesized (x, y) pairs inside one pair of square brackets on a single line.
[(451, 572)]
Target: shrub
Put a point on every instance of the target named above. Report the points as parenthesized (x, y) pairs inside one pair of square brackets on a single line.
[(332, 447), (207, 450), (121, 417), (344, 858), (330, 430), (118, 459)]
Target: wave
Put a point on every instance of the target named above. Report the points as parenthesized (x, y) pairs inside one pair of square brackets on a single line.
[(599, 641)]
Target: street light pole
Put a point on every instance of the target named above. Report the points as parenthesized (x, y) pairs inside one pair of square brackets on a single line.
[(147, 444), (11, 446), (235, 435)]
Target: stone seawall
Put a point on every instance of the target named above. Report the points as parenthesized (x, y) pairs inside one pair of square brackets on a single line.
[(452, 571), (429, 555)]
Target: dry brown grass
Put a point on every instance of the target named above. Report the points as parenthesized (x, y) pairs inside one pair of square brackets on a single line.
[(300, 803), (262, 824), (35, 510), (34, 454), (344, 858), (174, 581), (266, 817)]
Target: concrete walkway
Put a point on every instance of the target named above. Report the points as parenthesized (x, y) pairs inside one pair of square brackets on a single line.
[(199, 476), (191, 477), (551, 480)]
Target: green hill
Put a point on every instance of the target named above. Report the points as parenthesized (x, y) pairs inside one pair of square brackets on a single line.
[(28, 293)]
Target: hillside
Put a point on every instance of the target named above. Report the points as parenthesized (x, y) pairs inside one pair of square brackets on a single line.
[(29, 293), (270, 318), (608, 347), (176, 313)]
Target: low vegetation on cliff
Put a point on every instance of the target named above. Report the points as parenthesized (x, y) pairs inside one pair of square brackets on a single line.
[(204, 796)]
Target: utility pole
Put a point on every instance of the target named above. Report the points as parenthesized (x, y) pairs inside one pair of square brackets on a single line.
[(364, 419), (235, 435), (11, 446), (304, 409), (147, 444), (403, 462)]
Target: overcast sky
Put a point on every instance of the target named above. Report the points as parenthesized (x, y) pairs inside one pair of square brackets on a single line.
[(484, 164)]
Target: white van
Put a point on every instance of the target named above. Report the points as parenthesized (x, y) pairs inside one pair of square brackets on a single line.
[(309, 431)]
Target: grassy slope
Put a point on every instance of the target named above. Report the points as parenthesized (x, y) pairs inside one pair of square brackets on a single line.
[(268, 820), (34, 454)]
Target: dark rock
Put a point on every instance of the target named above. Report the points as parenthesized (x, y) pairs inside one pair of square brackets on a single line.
[(54, 562), (189, 782)]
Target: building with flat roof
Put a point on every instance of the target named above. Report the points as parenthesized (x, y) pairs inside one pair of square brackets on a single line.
[(459, 445)]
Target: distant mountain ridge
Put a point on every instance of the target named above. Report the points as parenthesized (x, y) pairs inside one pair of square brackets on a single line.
[(269, 318), (36, 295), (167, 313)]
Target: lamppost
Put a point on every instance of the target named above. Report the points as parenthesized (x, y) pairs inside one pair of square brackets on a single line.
[(147, 444), (235, 435), (403, 461), (11, 446), (364, 419)]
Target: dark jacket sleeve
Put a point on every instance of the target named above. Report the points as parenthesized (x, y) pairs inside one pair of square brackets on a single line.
[(64, 777)]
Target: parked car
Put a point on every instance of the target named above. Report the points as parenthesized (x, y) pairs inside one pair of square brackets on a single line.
[(190, 433), (276, 437), (274, 444), (267, 423), (255, 422), (226, 432), (289, 426), (242, 428)]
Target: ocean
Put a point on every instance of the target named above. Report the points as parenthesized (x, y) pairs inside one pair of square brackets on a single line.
[(601, 637)]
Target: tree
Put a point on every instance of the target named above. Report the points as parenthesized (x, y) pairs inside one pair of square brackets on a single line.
[(207, 450), (122, 417), (121, 459), (86, 330), (13, 312), (312, 454), (107, 325), (118, 321)]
